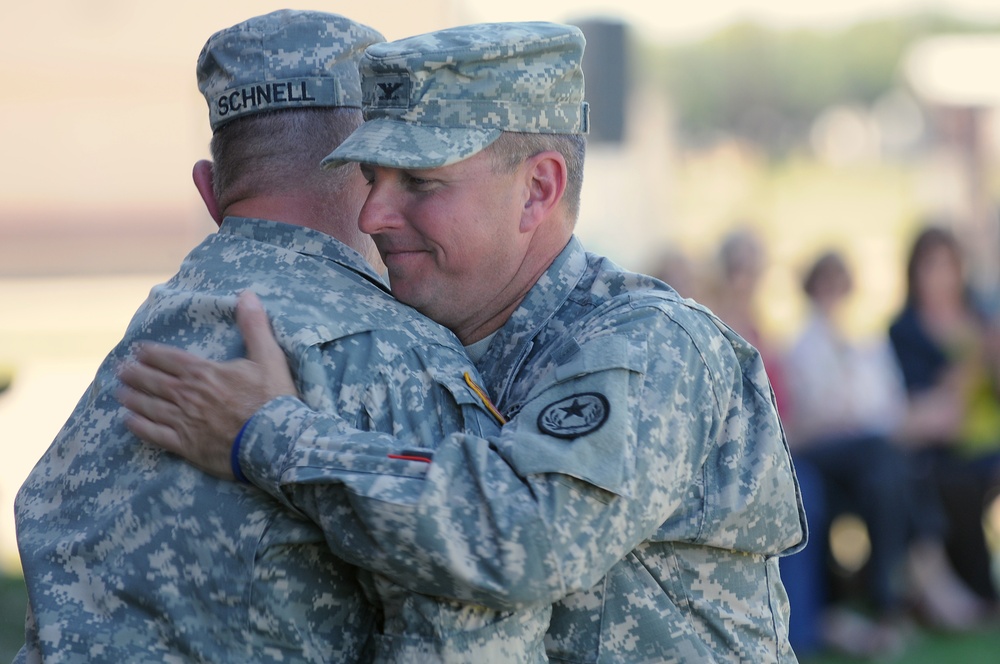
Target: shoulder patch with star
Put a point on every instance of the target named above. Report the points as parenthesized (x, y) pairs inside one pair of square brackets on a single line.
[(574, 416)]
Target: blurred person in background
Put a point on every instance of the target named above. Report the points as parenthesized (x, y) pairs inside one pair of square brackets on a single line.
[(731, 293), (739, 265), (846, 411), (949, 353), (676, 268)]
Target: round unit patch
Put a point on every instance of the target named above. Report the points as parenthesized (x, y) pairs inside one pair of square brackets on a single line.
[(574, 416)]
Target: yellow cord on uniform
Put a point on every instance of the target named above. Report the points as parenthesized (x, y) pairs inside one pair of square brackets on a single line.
[(485, 399)]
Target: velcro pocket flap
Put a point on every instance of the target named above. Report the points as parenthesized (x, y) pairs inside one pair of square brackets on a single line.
[(583, 423)]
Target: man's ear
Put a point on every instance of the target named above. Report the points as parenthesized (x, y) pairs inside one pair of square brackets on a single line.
[(204, 179), (546, 178)]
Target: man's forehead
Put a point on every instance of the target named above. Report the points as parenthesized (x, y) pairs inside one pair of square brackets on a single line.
[(369, 167)]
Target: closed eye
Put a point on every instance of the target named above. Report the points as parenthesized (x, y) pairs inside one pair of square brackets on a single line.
[(416, 183)]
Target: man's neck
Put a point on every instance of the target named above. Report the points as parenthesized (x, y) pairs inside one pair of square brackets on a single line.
[(297, 210), (535, 264), (307, 209)]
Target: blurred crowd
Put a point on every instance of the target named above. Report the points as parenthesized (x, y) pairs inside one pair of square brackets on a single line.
[(900, 432)]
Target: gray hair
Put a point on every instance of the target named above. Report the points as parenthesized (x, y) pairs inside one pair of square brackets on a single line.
[(279, 150)]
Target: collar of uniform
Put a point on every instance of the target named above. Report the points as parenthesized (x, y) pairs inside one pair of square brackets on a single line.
[(512, 343), (300, 239)]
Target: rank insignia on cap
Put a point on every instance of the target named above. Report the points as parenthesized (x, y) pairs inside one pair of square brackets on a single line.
[(391, 91), (575, 415)]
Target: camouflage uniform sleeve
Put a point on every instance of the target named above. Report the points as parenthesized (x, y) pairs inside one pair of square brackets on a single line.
[(656, 430)]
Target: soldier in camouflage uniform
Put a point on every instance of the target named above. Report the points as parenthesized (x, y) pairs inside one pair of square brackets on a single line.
[(130, 554), (642, 483)]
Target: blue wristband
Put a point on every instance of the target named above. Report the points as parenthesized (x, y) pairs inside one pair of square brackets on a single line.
[(234, 455)]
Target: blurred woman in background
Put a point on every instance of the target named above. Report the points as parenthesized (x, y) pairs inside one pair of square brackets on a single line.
[(949, 353), (847, 412)]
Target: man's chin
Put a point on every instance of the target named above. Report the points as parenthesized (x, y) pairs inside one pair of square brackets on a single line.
[(429, 307), (405, 294)]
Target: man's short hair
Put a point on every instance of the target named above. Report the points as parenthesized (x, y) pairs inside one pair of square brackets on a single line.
[(252, 155), (511, 149)]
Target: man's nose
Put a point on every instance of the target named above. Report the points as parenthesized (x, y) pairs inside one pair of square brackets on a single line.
[(381, 209)]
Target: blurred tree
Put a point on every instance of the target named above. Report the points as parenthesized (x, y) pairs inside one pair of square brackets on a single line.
[(767, 86)]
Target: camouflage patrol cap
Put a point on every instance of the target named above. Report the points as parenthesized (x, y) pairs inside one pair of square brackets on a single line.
[(285, 59), (439, 98)]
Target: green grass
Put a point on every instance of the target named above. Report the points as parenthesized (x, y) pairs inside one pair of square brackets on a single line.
[(13, 601), (931, 648)]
